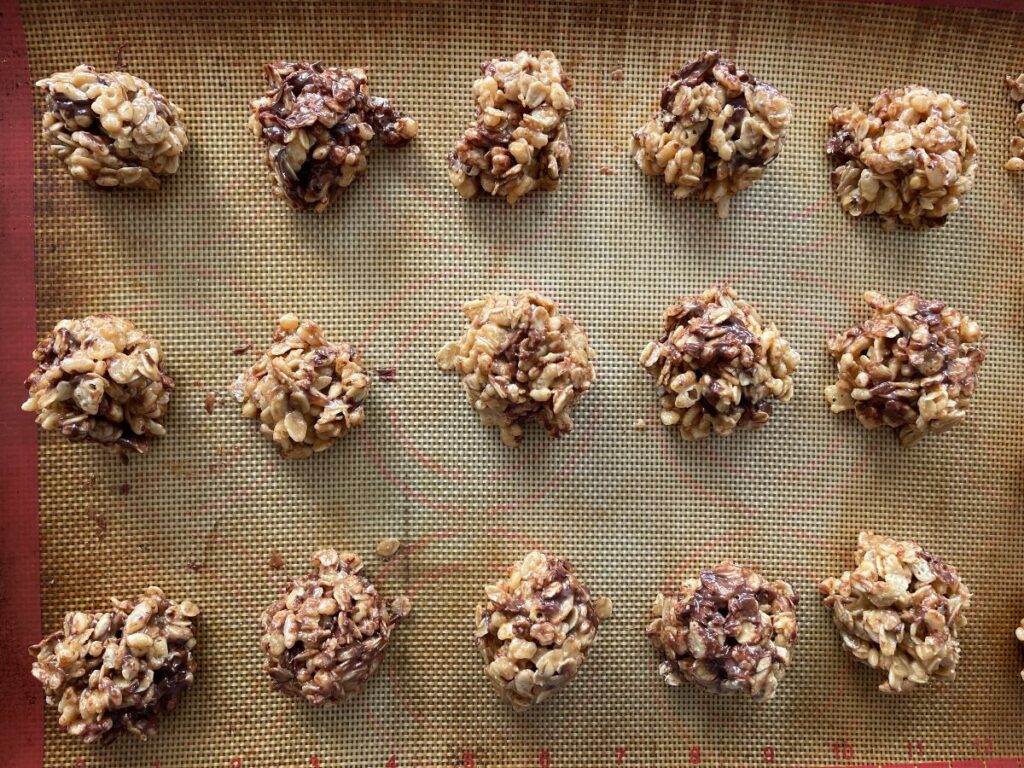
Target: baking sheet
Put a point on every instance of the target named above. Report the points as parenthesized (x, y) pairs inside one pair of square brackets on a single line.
[(209, 262)]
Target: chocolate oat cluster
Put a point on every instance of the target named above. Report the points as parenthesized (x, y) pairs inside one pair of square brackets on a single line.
[(909, 158), (519, 139), (718, 366), (112, 129), (102, 380), (306, 391), (717, 130), (535, 629), (328, 631), (728, 631), (1016, 87), (913, 366), (901, 610), (521, 359), (120, 670), (316, 123)]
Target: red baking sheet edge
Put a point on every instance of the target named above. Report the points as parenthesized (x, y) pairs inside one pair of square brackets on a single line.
[(21, 706)]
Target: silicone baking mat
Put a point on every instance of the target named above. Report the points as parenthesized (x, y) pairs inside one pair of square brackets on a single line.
[(210, 261)]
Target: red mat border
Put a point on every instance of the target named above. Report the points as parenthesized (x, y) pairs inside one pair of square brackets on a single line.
[(21, 708)]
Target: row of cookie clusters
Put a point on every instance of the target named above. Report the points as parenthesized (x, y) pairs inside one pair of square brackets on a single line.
[(900, 610), (908, 158), (912, 366)]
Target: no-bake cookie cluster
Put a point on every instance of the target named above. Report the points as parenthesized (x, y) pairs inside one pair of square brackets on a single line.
[(912, 366), (326, 634), (121, 669), (306, 391), (316, 124), (1015, 85), (535, 629), (909, 158), (112, 129), (521, 359), (102, 380), (900, 610), (519, 139), (717, 130), (730, 631), (718, 366)]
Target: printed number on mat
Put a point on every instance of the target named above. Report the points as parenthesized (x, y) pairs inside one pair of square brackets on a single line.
[(842, 750)]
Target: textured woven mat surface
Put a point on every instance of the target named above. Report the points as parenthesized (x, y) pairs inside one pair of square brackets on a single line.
[(209, 262)]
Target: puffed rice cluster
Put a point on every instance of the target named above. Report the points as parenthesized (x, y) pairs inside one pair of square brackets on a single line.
[(327, 633), (521, 359), (118, 671), (718, 366), (913, 366), (519, 139), (909, 158), (535, 629), (900, 610), (111, 128), (728, 631), (1016, 87), (717, 130), (102, 380), (306, 391), (316, 124)]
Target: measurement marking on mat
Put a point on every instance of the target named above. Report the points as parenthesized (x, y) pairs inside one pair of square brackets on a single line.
[(544, 759), (992, 762), (694, 755), (768, 753), (915, 748), (984, 745), (468, 760), (842, 750), (620, 755), (314, 761)]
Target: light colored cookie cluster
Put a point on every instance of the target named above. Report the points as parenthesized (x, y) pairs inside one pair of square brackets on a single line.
[(327, 633), (900, 610), (521, 359), (717, 130), (102, 380), (729, 631), (111, 128), (909, 158), (519, 139), (119, 671), (305, 390), (316, 124), (718, 366), (535, 629), (912, 366)]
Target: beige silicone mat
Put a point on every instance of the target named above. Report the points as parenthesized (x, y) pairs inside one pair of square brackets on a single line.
[(210, 261)]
